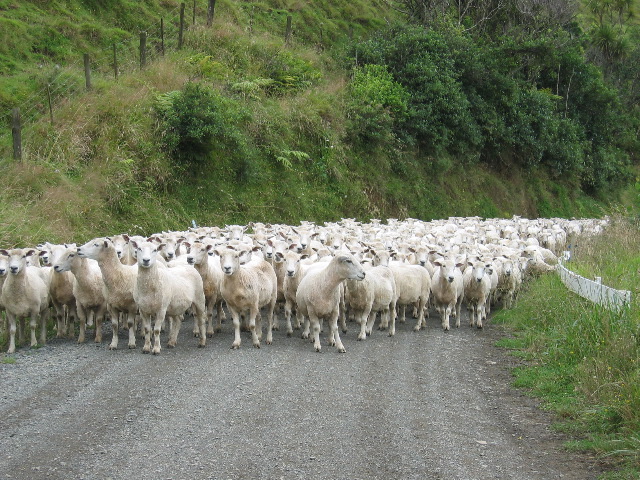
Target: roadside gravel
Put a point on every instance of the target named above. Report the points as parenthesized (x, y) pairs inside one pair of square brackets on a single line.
[(425, 405)]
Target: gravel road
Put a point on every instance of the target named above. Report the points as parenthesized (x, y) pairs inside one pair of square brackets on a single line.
[(425, 405)]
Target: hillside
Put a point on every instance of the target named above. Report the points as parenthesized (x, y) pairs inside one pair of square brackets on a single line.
[(238, 126)]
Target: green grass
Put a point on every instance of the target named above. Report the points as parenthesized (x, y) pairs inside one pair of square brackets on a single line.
[(584, 363)]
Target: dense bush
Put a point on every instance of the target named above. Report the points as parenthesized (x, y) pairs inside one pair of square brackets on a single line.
[(535, 101), (376, 104), (194, 120)]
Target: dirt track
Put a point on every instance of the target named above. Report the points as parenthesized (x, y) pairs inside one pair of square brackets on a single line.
[(426, 405)]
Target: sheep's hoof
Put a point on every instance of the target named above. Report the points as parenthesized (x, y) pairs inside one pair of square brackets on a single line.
[(210, 334), (171, 345), (235, 347), (289, 333), (479, 327), (132, 347), (361, 338), (342, 350), (268, 342), (201, 345), (112, 347), (156, 352), (196, 334), (256, 345), (318, 349), (145, 351), (217, 329)]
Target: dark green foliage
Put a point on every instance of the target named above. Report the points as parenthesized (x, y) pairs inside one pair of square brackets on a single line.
[(194, 120), (529, 100)]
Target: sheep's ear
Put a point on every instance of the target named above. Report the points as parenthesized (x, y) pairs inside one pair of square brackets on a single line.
[(106, 243), (270, 243), (5, 253), (293, 246), (208, 247), (437, 263), (31, 251), (161, 246), (134, 244), (187, 244), (126, 237), (303, 256), (279, 256)]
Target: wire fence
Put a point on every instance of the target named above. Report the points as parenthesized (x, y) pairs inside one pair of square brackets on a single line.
[(61, 83)]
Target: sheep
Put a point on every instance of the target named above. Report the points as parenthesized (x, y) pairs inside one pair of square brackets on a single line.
[(413, 286), (24, 294), (375, 293), (88, 290), (123, 249), (61, 294), (448, 290), (198, 256), (318, 295), (247, 288), (509, 281), (161, 291), (119, 281), (477, 288), (294, 272)]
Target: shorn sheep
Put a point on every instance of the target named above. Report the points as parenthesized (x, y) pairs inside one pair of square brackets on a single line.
[(448, 290), (246, 289), (24, 295), (88, 289), (318, 295), (163, 292), (119, 281)]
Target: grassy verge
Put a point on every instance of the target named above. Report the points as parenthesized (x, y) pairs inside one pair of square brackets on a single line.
[(584, 361)]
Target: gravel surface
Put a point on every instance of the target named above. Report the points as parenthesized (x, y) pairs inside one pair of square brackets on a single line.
[(420, 405)]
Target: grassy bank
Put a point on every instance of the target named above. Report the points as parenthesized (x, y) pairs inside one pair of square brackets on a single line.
[(584, 361)]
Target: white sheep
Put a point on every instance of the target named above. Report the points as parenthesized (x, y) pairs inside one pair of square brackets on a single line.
[(294, 272), (61, 293), (24, 294), (477, 288), (246, 289), (318, 295), (163, 292), (119, 281), (375, 293), (88, 290), (209, 269), (447, 289)]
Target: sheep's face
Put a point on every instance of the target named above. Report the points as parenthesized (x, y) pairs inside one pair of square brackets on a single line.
[(229, 260), (448, 268), (197, 253), (147, 253), (350, 267), (478, 270), (65, 260), (120, 244), (95, 249), (17, 260), (292, 263)]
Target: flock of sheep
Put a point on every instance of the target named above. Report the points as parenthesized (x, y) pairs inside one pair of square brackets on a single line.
[(341, 270)]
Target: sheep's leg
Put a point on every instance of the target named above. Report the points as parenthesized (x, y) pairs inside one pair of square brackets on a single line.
[(482, 308), (236, 330), (209, 319), (114, 328), (391, 319), (315, 325), (420, 310), (59, 314), (45, 316), (72, 318), (372, 319), (98, 317), (21, 328), (362, 321), (457, 311), (299, 320), (343, 314), (287, 316), (177, 323), (12, 332), (131, 324), (221, 315), (255, 326), (403, 314), (445, 312), (157, 327), (305, 330), (270, 324), (415, 310), (82, 320), (33, 323), (336, 334), (146, 325)]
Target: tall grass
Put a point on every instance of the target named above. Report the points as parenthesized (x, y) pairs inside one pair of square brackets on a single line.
[(583, 360)]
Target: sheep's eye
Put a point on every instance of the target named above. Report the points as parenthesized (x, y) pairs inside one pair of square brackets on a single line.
[(72, 255)]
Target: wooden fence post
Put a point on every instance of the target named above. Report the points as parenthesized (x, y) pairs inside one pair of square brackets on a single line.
[(287, 34), (115, 63), (49, 102), (210, 11), (181, 30), (143, 50), (162, 36), (87, 71), (16, 132)]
